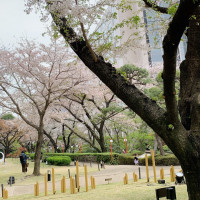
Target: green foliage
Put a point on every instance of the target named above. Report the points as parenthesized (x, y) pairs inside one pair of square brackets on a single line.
[(166, 148), (85, 157), (59, 160), (7, 116), (125, 160), (167, 160), (133, 73)]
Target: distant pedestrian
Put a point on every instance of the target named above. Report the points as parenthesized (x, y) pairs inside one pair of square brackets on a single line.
[(124, 151), (136, 160), (23, 161)]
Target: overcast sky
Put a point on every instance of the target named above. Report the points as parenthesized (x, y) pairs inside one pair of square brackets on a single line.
[(15, 23)]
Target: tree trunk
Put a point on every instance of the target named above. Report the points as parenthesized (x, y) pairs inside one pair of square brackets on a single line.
[(36, 170), (52, 141), (160, 146)]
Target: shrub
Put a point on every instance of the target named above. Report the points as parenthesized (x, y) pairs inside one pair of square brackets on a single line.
[(169, 159), (59, 160), (125, 160)]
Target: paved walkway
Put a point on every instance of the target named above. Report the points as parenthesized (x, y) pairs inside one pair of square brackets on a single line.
[(116, 172)]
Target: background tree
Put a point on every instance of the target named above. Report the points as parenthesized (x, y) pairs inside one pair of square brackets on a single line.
[(9, 135), (32, 78)]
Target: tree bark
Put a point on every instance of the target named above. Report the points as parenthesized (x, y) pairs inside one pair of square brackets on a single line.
[(36, 170), (52, 141)]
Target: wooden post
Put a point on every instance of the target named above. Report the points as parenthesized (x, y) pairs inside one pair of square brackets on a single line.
[(91, 179), (154, 166), (172, 174), (38, 191), (71, 185), (53, 181), (162, 176), (61, 183), (136, 178), (86, 178), (94, 185), (147, 167), (45, 184), (35, 190), (77, 175), (5, 194), (64, 185), (126, 178)]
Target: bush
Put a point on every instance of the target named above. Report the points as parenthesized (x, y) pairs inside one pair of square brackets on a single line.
[(169, 159), (59, 160), (125, 160), (84, 157)]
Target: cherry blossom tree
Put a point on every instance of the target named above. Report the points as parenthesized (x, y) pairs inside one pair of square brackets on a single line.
[(9, 134), (33, 77)]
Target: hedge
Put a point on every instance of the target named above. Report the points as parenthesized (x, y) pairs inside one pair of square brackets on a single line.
[(167, 160), (121, 159), (59, 160)]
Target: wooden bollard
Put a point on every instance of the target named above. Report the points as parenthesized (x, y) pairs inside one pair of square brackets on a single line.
[(94, 184), (86, 178), (5, 194), (154, 166), (77, 175), (53, 181), (135, 177), (125, 179), (64, 185), (172, 174), (45, 184), (91, 180), (147, 167), (61, 183), (71, 185), (162, 176), (36, 189)]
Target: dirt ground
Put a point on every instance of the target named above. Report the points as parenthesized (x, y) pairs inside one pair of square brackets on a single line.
[(116, 172)]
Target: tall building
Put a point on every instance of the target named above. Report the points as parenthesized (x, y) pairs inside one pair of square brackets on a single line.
[(142, 44)]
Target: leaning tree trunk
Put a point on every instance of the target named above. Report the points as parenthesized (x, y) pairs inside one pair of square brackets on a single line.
[(36, 170), (190, 107)]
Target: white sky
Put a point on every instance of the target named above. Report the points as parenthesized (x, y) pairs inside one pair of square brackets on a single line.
[(15, 23)]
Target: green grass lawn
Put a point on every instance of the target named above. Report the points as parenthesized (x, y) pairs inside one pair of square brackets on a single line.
[(113, 191)]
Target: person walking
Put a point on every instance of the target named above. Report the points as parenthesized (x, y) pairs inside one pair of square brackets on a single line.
[(136, 160), (23, 160)]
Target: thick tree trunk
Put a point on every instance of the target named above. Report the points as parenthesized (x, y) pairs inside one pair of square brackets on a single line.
[(36, 170)]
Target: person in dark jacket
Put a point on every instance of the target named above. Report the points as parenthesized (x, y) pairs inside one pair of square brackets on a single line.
[(23, 161)]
